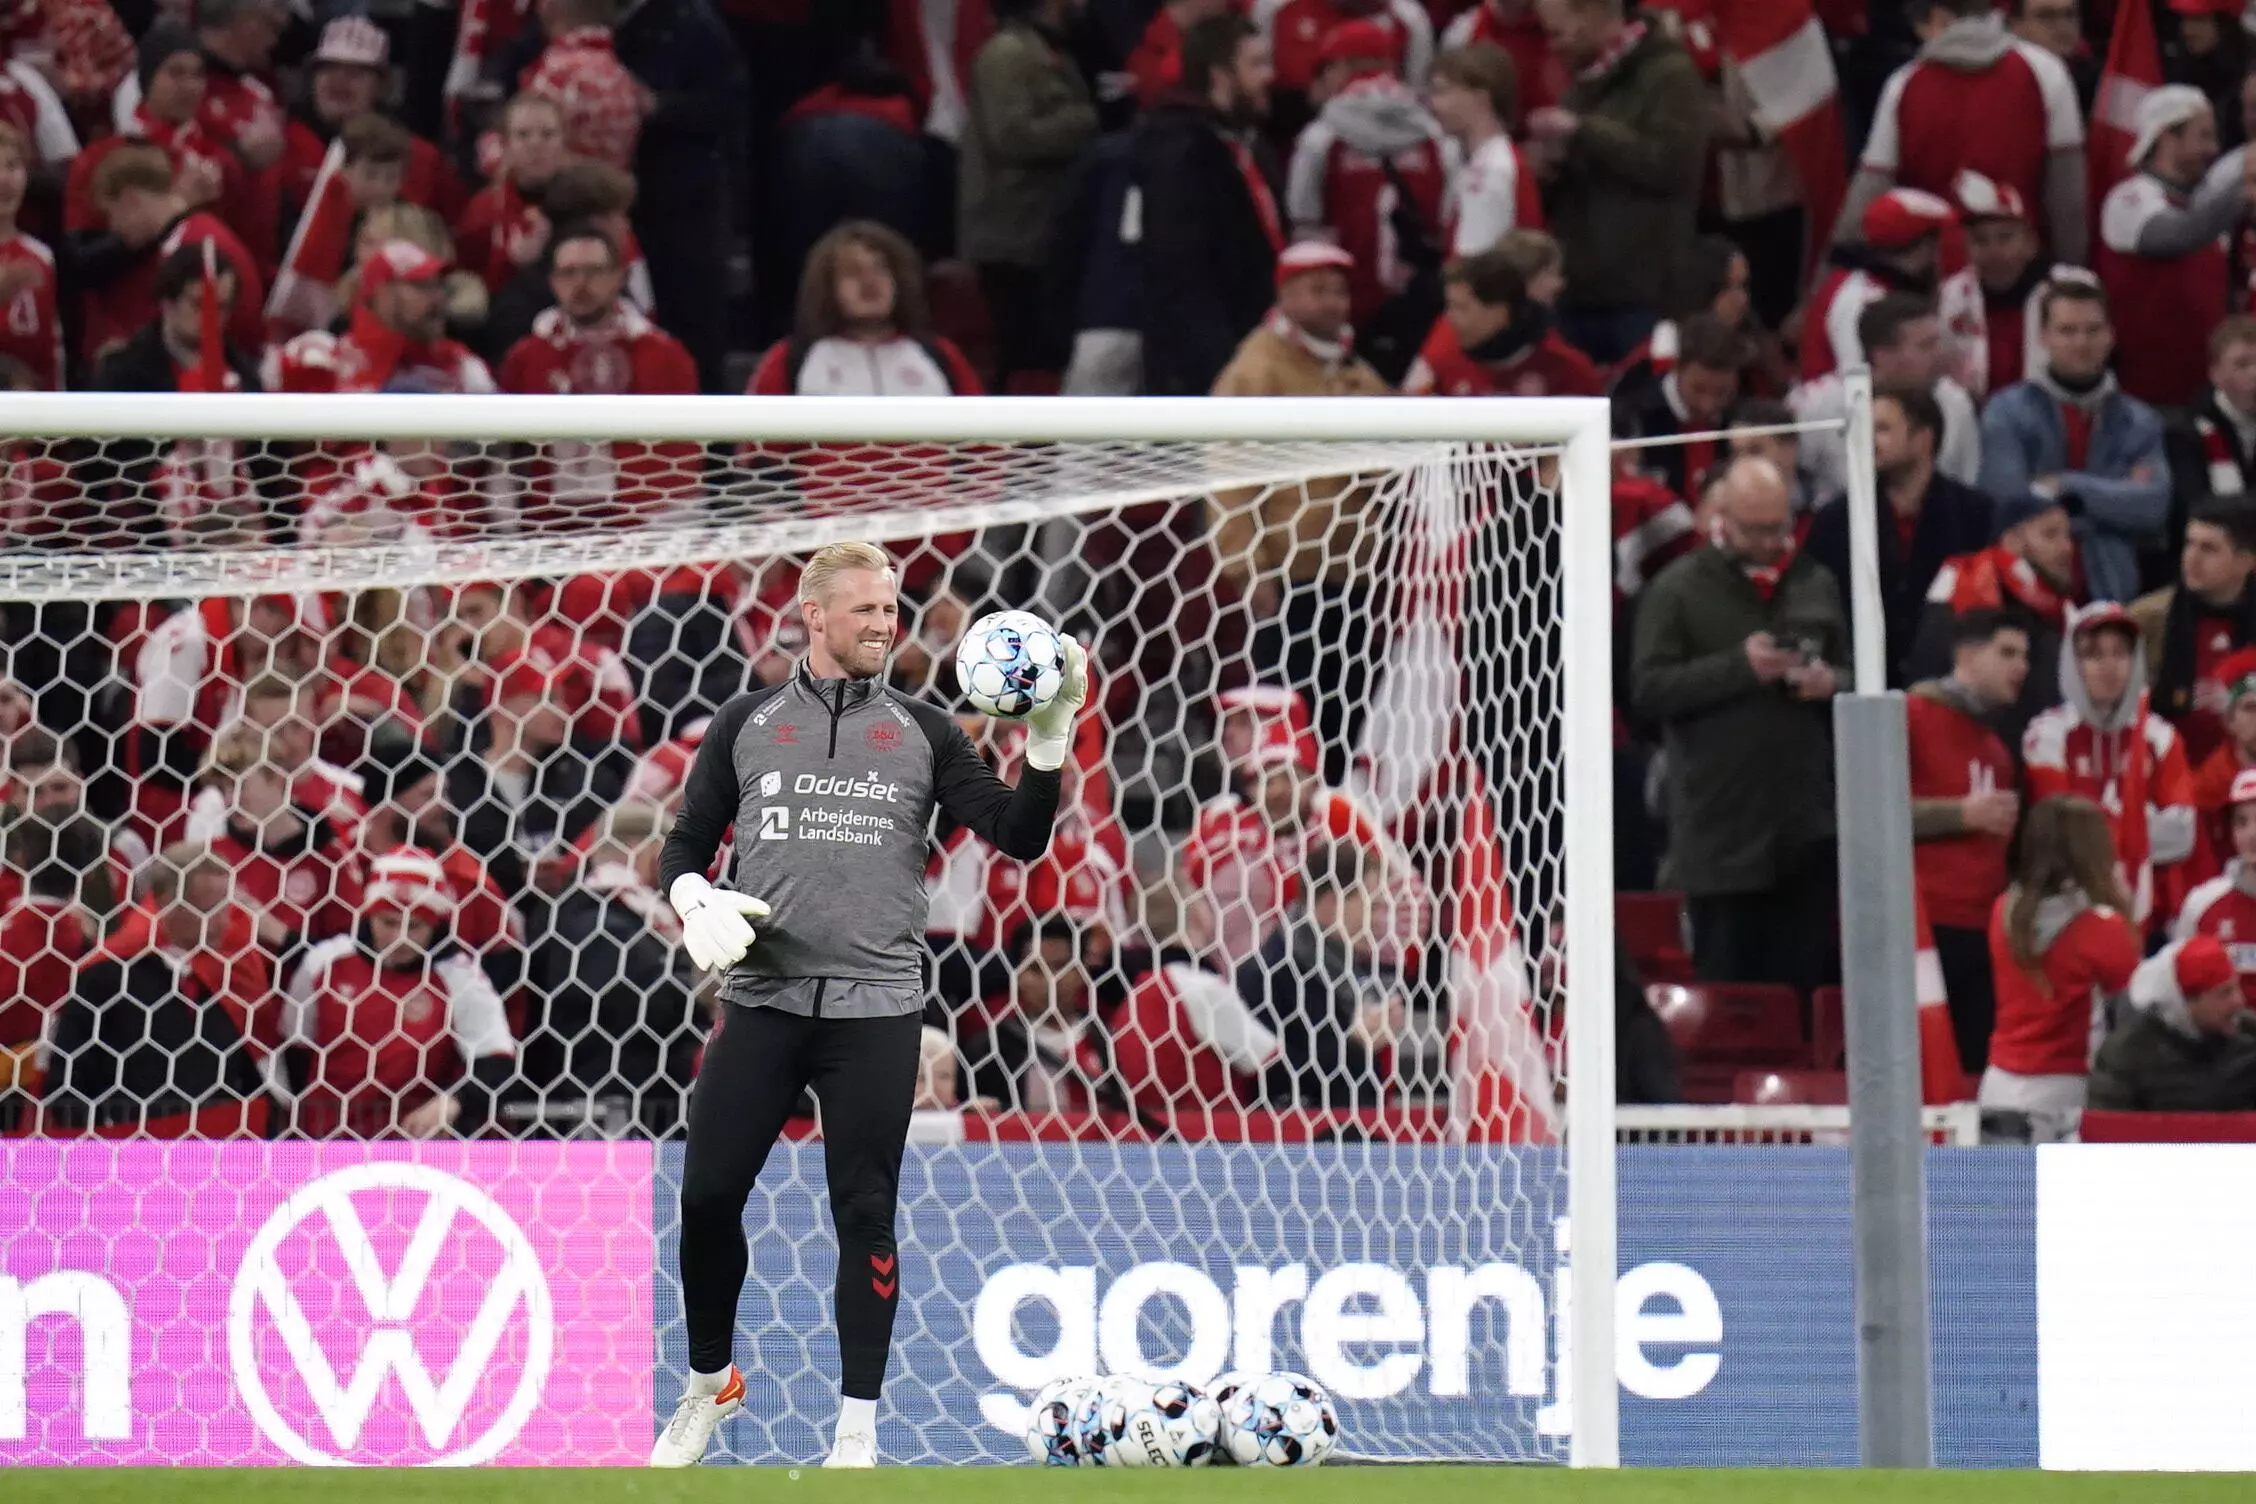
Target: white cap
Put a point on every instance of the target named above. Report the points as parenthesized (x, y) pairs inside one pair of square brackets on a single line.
[(2164, 109), (354, 40)]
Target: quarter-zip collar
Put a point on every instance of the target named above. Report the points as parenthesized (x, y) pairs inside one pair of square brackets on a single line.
[(836, 696)]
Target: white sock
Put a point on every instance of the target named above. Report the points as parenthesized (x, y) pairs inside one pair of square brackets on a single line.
[(856, 1417), (709, 1383)]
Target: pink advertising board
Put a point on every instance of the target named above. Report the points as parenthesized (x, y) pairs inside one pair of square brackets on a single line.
[(327, 1304)]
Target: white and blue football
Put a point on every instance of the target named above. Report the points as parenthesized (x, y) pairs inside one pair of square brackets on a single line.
[(1278, 1420), (1010, 664), (1053, 1436), (1132, 1422)]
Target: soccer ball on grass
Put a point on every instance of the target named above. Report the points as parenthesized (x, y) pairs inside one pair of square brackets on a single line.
[(1132, 1422), (1010, 663), (1276, 1420)]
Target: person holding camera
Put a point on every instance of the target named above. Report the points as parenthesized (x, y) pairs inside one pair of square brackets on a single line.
[(1739, 646)]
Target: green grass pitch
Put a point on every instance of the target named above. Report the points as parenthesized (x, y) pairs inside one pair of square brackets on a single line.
[(1343, 1485)]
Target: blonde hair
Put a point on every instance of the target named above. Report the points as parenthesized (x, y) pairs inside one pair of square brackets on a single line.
[(234, 752), (834, 559)]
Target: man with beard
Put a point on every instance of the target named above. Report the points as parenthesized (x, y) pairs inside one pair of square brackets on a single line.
[(1929, 518), (397, 337), (1212, 226)]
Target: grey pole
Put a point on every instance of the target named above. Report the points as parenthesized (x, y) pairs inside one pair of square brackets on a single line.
[(1879, 960)]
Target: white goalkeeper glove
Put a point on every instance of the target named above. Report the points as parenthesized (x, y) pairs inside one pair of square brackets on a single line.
[(716, 924), (1049, 731)]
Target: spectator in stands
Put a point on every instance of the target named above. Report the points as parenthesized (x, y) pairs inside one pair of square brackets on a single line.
[(864, 327), (1536, 256), (407, 808), (1370, 174), (1928, 518), (464, 301), (612, 1026), (2214, 777), (404, 1036), (168, 1021), (1721, 286), (196, 294), (853, 149), (1736, 653), (240, 114), (2106, 745), (594, 342), (2069, 431), (1491, 192), (493, 622), (531, 781), (2057, 27), (603, 103), (1621, 157), (502, 228), (167, 115), (1030, 116), (2213, 452), (144, 218), (1897, 253), (1213, 225), (2061, 947), (297, 872), (1964, 806), (1904, 340), (1157, 62), (1319, 986), (1989, 306), (1306, 346), (363, 173), (690, 651), (2028, 570), (44, 933), (1026, 1059), (2161, 252), (396, 339), (2192, 627), (2225, 906), (2189, 1044), (1514, 27), (1691, 402), (1978, 98), (351, 78), (578, 195), (1493, 340), (34, 331), (1783, 450)]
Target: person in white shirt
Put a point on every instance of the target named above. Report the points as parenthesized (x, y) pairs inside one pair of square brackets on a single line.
[(1491, 193)]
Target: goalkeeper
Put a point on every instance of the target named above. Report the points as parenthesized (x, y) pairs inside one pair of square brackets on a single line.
[(830, 779)]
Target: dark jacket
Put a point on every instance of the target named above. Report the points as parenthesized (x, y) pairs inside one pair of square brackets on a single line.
[(1953, 520), (1750, 767), (2150, 1064), (1209, 266), (611, 1018), (2190, 480), (1308, 987), (1625, 199), (120, 474), (574, 784), (682, 649), (1029, 116), (137, 1042), (1645, 1066)]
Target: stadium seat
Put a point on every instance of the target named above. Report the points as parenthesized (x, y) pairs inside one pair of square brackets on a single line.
[(2102, 1127), (1723, 1029), (1792, 1088), (1652, 926), (960, 314), (1829, 1029)]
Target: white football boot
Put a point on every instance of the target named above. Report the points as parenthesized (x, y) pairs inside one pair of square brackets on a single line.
[(858, 1449), (690, 1432)]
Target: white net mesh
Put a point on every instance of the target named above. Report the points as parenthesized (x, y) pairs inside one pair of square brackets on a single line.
[(336, 774)]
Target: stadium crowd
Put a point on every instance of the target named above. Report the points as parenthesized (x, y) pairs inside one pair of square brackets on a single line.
[(383, 862)]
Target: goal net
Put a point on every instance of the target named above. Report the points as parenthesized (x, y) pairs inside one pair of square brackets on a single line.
[(341, 737)]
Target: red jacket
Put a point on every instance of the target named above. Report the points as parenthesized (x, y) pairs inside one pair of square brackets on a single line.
[(429, 180), (2049, 1028), (369, 356), (113, 312), (2166, 305), (252, 201), (31, 328), (1954, 755), (601, 481), (1350, 169), (310, 884), (1546, 367), (496, 222), (41, 942), (2125, 772), (2224, 907)]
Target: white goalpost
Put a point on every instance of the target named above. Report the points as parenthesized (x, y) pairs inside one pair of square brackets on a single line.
[(1315, 624)]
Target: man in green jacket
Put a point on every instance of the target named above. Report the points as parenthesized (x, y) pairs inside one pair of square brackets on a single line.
[(1622, 156), (1029, 117), (1739, 647)]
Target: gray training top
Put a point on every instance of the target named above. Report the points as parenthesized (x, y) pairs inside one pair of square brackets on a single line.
[(831, 784)]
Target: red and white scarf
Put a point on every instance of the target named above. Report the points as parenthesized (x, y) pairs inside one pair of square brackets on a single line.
[(2221, 455), (1625, 41)]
